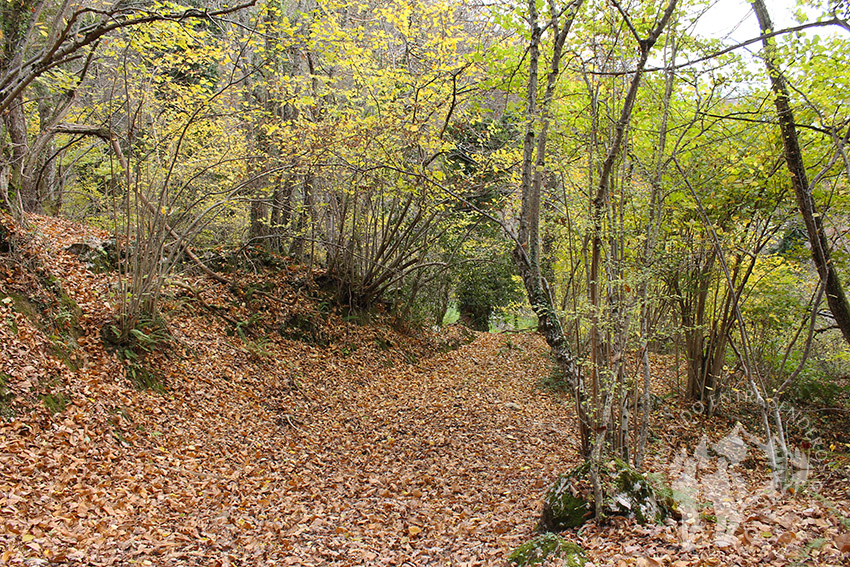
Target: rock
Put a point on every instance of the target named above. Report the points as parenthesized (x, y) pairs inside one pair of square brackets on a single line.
[(567, 504), (630, 493), (545, 547), (513, 406), (98, 255), (627, 492)]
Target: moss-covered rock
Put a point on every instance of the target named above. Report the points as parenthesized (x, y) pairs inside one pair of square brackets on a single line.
[(630, 493), (99, 255), (568, 503), (627, 492), (548, 546)]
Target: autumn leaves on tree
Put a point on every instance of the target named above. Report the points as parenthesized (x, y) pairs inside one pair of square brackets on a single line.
[(424, 157)]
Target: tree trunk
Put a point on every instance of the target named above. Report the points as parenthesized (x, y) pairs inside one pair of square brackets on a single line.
[(527, 252), (16, 127), (835, 296)]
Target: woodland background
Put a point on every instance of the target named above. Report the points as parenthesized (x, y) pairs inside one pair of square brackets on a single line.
[(598, 170)]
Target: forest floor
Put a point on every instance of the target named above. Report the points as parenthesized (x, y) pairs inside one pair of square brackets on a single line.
[(345, 445)]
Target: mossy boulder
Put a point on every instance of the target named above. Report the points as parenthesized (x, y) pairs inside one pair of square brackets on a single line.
[(548, 546), (99, 255), (627, 492), (630, 493), (568, 503)]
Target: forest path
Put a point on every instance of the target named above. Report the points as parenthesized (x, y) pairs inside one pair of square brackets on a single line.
[(445, 461), (269, 453), (368, 450)]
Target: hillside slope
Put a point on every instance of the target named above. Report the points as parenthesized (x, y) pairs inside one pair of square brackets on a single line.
[(297, 438), (365, 450)]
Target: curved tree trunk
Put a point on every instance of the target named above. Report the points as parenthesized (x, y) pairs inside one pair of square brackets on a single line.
[(835, 296), (527, 252)]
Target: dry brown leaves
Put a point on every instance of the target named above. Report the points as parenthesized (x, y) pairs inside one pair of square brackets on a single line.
[(362, 452)]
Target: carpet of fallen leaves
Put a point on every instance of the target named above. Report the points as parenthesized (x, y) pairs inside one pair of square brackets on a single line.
[(374, 447)]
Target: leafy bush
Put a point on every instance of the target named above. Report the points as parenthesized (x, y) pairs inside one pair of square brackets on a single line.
[(817, 391), (143, 339), (483, 288)]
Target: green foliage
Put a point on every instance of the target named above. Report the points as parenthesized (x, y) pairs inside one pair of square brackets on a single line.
[(819, 390), (143, 378), (483, 287), (143, 338), (485, 282), (55, 402), (6, 411), (131, 347), (258, 348), (555, 381), (307, 327)]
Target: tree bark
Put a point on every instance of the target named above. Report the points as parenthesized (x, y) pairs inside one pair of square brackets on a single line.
[(527, 252), (16, 127), (821, 252)]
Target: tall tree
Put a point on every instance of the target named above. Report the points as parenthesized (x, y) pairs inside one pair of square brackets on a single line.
[(42, 36), (527, 251), (818, 242)]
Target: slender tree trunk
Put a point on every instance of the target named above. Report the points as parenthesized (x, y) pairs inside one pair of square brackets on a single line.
[(16, 128), (599, 206), (527, 252), (835, 296), (649, 254)]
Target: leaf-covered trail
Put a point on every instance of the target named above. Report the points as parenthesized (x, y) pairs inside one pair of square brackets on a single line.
[(370, 450), (299, 455), (437, 462)]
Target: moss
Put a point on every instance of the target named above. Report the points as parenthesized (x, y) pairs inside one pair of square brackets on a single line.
[(6, 411), (59, 314), (627, 492), (304, 327), (55, 403), (23, 306), (630, 493), (564, 505), (547, 546)]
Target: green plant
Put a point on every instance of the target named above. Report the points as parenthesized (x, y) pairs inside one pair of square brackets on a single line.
[(305, 327), (55, 402), (148, 335), (804, 555), (63, 318), (243, 326), (482, 289), (817, 391), (258, 348), (143, 378), (555, 381), (132, 346), (349, 349), (6, 411)]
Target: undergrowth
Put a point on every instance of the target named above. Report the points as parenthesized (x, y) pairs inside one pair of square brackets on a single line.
[(147, 336)]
